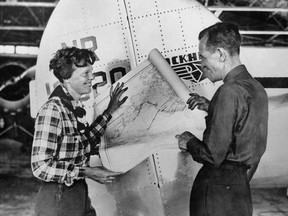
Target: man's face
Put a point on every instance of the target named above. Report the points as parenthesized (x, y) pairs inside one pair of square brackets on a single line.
[(81, 80), (210, 62)]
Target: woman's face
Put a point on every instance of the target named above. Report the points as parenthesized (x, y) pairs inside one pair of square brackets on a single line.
[(80, 81)]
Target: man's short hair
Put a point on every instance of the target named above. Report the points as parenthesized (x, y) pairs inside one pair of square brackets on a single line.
[(221, 34), (67, 59)]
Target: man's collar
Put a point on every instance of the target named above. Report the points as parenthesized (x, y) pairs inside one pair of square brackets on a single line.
[(235, 72)]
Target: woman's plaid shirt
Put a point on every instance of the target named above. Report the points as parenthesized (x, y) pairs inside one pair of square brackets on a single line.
[(59, 149)]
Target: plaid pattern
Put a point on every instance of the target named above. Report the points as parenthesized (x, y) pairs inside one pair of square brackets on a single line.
[(59, 150)]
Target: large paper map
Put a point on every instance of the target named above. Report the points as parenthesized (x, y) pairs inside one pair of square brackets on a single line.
[(153, 114)]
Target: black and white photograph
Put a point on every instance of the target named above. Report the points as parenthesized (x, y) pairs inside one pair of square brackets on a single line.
[(143, 107)]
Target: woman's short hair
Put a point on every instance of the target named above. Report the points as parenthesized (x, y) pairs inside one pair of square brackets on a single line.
[(67, 59), (225, 35)]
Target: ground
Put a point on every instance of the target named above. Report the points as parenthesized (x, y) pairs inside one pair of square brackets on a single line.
[(17, 195), (18, 187)]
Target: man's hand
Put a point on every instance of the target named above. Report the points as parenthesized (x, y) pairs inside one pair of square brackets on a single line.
[(115, 95), (101, 174), (198, 101), (183, 139), (251, 171)]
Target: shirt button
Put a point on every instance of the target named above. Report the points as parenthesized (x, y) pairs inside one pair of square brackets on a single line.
[(227, 187)]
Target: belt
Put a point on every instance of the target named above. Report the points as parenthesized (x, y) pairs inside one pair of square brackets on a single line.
[(226, 164), (64, 186), (229, 165)]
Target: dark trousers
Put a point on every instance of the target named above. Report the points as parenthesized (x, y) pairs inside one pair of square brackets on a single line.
[(222, 191), (55, 199)]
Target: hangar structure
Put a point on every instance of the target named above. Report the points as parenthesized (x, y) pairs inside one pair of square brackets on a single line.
[(21, 27), (263, 22)]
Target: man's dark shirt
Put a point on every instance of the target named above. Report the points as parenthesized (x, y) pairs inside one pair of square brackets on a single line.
[(236, 124)]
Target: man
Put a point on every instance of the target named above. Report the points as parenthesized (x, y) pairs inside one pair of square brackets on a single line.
[(63, 140), (236, 128)]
